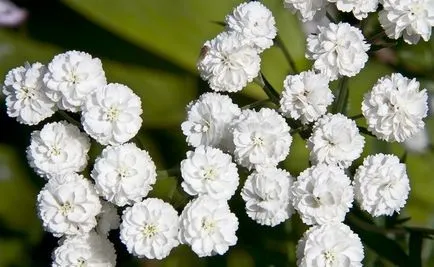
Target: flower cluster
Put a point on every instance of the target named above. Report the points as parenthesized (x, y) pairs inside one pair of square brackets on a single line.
[(226, 143)]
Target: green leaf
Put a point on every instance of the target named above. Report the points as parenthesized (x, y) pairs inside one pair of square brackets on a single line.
[(383, 246), (415, 248), (164, 95)]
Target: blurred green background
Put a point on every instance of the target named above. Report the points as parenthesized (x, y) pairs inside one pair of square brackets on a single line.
[(152, 46)]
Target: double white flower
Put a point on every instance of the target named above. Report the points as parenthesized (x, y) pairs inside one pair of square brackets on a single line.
[(59, 148), (381, 184), (322, 194), (208, 226), (261, 138), (395, 107), (267, 196), (25, 94), (338, 50)]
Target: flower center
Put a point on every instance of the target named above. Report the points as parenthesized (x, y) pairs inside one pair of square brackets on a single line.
[(73, 78), (112, 113), (150, 230), (330, 256), (81, 262), (65, 208), (258, 141), (26, 93), (54, 151), (123, 172), (208, 225), (209, 173), (201, 128)]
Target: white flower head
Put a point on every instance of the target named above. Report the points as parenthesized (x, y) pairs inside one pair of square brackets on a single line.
[(255, 23), (306, 96), (360, 9), (68, 205), (330, 245), (10, 14), (111, 115), (227, 63), (411, 19), (108, 219), (335, 140), (150, 228), (124, 174), (90, 250), (71, 77), (261, 138), (208, 121), (267, 196), (395, 107), (208, 226), (381, 185), (25, 97), (419, 142), (338, 49), (322, 194), (209, 171), (306, 10), (58, 148)]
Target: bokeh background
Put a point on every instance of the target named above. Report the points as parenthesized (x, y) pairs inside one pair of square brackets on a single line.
[(152, 46)]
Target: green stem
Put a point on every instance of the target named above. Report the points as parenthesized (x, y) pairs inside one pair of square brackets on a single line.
[(342, 97), (272, 94), (356, 117), (70, 119), (175, 171), (288, 56), (365, 131), (331, 18), (255, 104)]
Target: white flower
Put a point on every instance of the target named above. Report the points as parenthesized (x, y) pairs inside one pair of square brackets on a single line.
[(71, 77), (68, 205), (227, 63), (395, 107), (339, 49), (108, 219), (335, 140), (150, 228), (306, 96), (267, 196), (58, 148), (124, 174), (90, 250), (381, 184), (10, 14), (111, 115), (418, 143), (208, 226), (261, 138), (208, 121), (411, 19), (359, 8), (209, 171), (255, 23), (322, 194), (330, 245), (25, 97), (306, 9)]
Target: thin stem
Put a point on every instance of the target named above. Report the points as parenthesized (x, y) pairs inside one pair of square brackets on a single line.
[(169, 172), (330, 17), (70, 119), (272, 94), (356, 117), (365, 131), (376, 37), (342, 96), (288, 56), (372, 227), (255, 104)]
